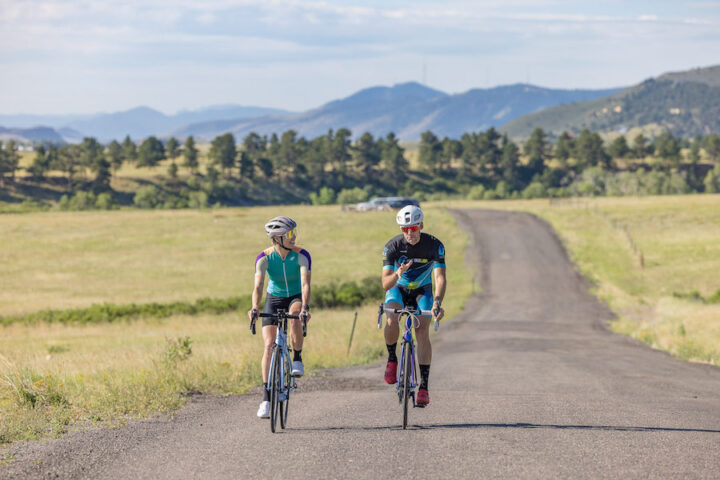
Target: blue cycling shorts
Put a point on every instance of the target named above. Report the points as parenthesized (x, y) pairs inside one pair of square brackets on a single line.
[(418, 297)]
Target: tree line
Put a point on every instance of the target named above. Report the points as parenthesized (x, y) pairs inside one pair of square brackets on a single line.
[(334, 168)]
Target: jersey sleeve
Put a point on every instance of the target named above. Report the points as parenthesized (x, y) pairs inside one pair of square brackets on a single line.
[(261, 264), (304, 261), (389, 256), (439, 255)]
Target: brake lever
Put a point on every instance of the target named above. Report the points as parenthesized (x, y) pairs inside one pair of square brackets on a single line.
[(252, 321), (304, 320)]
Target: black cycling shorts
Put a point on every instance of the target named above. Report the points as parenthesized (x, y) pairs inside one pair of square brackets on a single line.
[(273, 304)]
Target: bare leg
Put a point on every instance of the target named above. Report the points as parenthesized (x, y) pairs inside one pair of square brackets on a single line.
[(392, 329), (422, 333), (296, 333), (268, 333)]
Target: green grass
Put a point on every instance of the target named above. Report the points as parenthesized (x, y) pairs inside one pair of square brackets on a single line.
[(54, 376), (679, 240)]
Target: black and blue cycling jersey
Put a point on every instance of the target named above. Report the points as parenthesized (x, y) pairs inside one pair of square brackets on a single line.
[(426, 255)]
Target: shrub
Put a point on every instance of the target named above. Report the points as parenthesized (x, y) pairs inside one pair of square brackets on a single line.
[(198, 200), (105, 202), (534, 190), (326, 196), (80, 201), (476, 193), (352, 195), (148, 197), (714, 298), (177, 349), (349, 295)]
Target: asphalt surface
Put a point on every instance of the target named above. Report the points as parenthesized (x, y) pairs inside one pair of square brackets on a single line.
[(526, 383)]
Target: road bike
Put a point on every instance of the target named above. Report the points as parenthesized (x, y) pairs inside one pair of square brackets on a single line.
[(280, 381), (407, 369)]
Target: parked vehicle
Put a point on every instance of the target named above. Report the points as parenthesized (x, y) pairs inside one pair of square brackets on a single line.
[(386, 203)]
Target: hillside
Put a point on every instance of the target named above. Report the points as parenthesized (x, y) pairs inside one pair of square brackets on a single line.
[(685, 103), (30, 134), (407, 110)]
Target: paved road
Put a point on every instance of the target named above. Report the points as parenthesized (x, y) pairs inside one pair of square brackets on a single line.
[(527, 383)]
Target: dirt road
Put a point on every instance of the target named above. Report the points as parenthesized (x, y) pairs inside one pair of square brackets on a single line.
[(526, 383)]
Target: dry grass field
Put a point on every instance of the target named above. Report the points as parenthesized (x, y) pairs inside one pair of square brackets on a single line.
[(55, 376)]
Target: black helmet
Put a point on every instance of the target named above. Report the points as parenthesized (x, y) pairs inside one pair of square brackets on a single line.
[(279, 226)]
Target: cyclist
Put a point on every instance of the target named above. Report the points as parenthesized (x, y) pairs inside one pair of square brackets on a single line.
[(288, 267), (408, 261)]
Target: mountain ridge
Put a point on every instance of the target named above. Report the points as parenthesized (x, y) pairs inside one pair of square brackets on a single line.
[(685, 103)]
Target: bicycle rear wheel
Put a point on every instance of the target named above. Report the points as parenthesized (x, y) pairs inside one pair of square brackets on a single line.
[(407, 380), (274, 389), (287, 383)]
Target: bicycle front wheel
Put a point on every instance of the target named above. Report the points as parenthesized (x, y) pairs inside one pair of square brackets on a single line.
[(287, 383), (275, 386), (407, 380)]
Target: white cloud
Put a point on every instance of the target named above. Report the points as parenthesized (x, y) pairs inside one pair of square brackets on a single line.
[(372, 41)]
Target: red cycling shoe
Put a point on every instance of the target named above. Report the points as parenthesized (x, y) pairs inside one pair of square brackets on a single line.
[(391, 373), (423, 398)]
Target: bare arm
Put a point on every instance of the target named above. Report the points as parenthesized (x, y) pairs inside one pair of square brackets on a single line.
[(257, 293), (305, 285), (390, 278), (440, 283)]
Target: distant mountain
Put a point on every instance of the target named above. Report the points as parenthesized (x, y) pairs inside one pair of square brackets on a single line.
[(34, 134), (686, 103), (28, 121), (407, 109), (138, 122), (142, 122)]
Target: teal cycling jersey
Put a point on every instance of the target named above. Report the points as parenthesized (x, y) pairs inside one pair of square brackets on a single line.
[(284, 274)]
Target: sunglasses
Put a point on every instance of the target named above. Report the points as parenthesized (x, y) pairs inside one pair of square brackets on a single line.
[(411, 228), (291, 234)]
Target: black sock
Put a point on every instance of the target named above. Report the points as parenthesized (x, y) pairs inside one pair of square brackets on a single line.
[(296, 356), (266, 393), (424, 376), (391, 352)]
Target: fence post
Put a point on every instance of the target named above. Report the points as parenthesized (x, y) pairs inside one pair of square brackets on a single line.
[(352, 332)]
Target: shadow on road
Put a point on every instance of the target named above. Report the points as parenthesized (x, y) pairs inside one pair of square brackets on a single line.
[(441, 426), (563, 427)]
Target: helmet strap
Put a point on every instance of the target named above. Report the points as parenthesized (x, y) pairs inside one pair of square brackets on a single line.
[(280, 243)]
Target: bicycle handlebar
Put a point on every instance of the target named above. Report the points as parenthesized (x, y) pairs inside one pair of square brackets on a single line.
[(278, 315), (411, 311)]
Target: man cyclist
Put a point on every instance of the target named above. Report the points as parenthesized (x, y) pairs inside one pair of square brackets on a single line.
[(288, 267), (408, 261)]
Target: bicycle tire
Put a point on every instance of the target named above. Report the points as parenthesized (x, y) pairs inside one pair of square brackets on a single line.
[(274, 390), (284, 406), (407, 380)]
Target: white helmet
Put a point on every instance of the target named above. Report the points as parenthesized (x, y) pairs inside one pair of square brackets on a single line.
[(410, 215), (279, 226)]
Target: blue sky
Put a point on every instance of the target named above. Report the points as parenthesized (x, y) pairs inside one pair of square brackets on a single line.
[(85, 56)]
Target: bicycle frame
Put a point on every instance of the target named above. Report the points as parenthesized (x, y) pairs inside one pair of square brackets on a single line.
[(407, 342), (281, 346)]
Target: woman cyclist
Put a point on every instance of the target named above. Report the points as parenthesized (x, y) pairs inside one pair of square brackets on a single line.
[(288, 268)]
